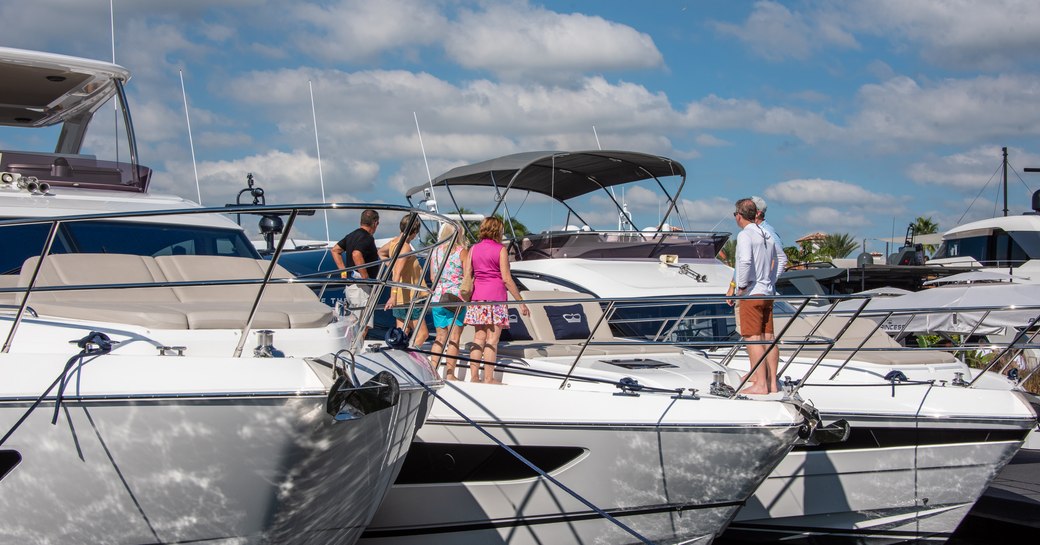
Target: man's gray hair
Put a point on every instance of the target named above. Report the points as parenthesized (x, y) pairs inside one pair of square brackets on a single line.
[(760, 203)]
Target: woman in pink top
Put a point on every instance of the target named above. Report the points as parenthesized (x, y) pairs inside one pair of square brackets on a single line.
[(489, 267)]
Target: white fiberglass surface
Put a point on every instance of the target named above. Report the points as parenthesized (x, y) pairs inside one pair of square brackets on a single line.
[(635, 278)]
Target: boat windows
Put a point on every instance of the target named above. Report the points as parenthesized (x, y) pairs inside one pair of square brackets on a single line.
[(465, 463), (708, 322), (8, 459), (997, 249), (112, 237)]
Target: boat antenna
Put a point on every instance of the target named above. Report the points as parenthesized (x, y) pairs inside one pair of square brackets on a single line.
[(317, 148), (115, 103), (191, 142), (429, 176), (1005, 165)]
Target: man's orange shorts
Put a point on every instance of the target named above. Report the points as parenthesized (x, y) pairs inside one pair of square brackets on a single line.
[(756, 317)]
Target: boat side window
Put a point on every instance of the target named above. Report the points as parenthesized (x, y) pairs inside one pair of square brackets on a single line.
[(968, 247), (941, 252), (22, 242), (703, 322), (1025, 245), (156, 240), (1005, 252)]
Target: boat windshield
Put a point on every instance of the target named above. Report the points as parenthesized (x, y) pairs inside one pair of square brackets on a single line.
[(591, 244), (999, 248), (121, 237), (62, 148)]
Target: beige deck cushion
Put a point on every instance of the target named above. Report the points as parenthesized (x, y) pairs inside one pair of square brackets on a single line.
[(9, 281), (190, 307), (217, 307), (100, 269), (151, 307)]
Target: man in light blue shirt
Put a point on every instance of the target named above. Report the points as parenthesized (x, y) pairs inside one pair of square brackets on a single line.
[(757, 267)]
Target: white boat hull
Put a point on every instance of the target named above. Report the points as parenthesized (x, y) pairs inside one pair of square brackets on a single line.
[(238, 467), (899, 476), (671, 481), (872, 495)]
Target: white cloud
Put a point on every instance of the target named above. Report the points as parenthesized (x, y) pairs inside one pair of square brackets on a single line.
[(361, 29), (709, 213), (961, 34), (517, 40), (824, 218), (370, 113), (514, 40), (708, 140), (713, 112), (990, 35), (972, 169), (285, 177), (824, 191), (950, 111), (774, 32)]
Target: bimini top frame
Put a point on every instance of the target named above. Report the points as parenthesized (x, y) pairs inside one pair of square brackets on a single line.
[(562, 175)]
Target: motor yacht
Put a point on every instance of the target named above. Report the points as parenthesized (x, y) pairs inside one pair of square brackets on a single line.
[(1004, 244), (159, 381), (671, 462), (919, 452)]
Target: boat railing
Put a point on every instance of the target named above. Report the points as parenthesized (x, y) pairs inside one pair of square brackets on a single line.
[(843, 313), (963, 330), (320, 280), (600, 339)]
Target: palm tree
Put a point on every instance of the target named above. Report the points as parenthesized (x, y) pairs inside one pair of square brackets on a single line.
[(728, 252), (925, 226), (837, 246), (798, 254), (514, 227), (511, 226)]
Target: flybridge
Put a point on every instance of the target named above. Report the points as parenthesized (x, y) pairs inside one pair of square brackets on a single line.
[(39, 91)]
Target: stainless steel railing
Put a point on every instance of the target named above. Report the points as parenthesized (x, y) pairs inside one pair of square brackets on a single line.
[(323, 279)]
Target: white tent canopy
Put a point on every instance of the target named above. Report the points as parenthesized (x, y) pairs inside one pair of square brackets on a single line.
[(955, 309)]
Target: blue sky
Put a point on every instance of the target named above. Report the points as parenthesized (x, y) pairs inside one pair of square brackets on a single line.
[(848, 117)]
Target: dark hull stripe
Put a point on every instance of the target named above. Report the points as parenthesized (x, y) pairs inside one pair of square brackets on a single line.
[(877, 437), (763, 533), (545, 519)]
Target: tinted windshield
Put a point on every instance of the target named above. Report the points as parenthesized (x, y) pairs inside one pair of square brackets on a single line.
[(997, 249), (24, 241)]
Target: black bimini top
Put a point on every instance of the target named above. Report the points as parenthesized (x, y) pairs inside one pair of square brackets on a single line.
[(576, 172)]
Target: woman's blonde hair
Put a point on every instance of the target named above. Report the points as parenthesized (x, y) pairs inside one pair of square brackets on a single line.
[(492, 228), (447, 230)]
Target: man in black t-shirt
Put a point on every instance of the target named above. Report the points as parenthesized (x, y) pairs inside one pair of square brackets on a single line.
[(360, 248)]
